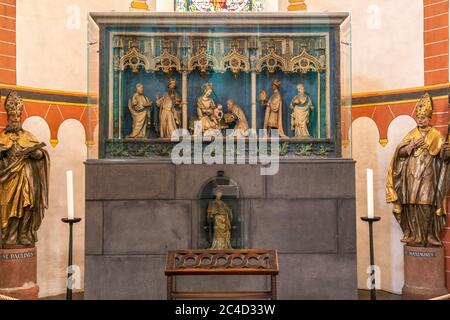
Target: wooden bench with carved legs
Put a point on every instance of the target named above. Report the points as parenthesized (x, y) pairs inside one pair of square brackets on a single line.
[(221, 263)]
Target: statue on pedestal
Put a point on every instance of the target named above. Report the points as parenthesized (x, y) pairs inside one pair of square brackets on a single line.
[(169, 116), (24, 180), (273, 117), (140, 108), (221, 215), (418, 180), (301, 106)]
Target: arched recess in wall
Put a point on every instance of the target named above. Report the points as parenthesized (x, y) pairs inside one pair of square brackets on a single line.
[(365, 137), (233, 197), (355, 122), (71, 136), (38, 127), (368, 153), (399, 127), (69, 129)]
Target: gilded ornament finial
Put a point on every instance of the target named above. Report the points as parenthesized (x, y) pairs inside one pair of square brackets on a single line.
[(297, 5), (383, 142), (54, 142), (424, 106), (139, 5)]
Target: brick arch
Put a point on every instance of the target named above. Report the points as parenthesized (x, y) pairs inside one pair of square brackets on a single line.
[(383, 113), (56, 114), (372, 121), (55, 109)]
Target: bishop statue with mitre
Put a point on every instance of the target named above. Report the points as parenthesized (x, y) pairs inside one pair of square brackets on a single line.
[(418, 180), (24, 179)]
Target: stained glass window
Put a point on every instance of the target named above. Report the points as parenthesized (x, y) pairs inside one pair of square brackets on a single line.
[(219, 5)]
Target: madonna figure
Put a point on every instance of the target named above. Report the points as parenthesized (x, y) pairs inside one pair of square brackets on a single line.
[(205, 109)]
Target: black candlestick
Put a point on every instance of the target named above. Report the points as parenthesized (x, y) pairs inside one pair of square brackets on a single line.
[(373, 290), (69, 268)]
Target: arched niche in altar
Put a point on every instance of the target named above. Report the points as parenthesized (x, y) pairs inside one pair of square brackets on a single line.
[(233, 199)]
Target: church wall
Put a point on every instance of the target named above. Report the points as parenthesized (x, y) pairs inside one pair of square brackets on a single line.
[(372, 24), (61, 27), (8, 41), (436, 41), (53, 234), (387, 47), (387, 233), (58, 28)]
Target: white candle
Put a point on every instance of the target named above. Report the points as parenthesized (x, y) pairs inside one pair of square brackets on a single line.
[(370, 193), (70, 209)]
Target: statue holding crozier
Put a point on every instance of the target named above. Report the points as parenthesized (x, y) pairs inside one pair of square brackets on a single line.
[(417, 184), (24, 183)]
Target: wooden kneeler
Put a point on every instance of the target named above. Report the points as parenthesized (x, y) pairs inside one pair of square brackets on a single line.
[(241, 262)]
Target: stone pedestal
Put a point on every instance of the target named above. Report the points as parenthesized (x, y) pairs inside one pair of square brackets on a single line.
[(424, 273), (18, 273)]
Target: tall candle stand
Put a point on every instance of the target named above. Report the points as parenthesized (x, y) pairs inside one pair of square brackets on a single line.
[(373, 290), (69, 267)]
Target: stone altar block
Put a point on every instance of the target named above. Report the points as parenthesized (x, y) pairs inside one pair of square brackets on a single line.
[(137, 210)]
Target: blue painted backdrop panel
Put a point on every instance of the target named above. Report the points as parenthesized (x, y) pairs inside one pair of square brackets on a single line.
[(225, 85)]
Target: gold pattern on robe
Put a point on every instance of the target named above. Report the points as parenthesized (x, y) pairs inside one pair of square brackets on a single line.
[(24, 139), (221, 215), (417, 185)]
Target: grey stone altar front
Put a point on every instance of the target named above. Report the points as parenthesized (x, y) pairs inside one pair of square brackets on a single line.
[(137, 210)]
